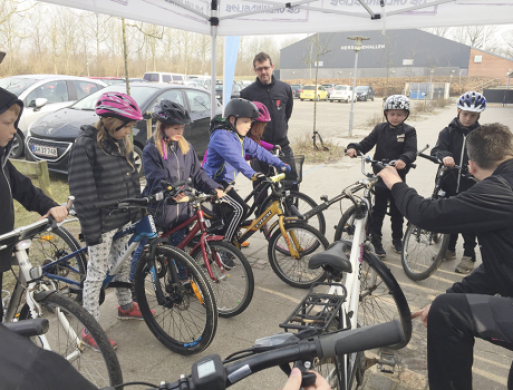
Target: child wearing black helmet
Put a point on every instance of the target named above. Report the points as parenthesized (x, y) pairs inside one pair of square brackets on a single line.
[(168, 156), (394, 140), (451, 150), (227, 148)]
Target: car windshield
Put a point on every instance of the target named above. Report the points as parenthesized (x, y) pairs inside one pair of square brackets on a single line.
[(140, 94), (360, 89), (17, 85), (340, 88), (309, 88)]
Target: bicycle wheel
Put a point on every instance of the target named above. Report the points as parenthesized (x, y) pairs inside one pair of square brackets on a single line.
[(67, 320), (48, 247), (308, 242), (186, 312), (233, 287), (345, 227), (299, 203), (423, 252), (381, 298)]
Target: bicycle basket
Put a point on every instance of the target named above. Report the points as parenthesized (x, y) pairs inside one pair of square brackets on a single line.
[(296, 172)]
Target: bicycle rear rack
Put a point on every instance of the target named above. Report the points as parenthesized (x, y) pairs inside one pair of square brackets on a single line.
[(317, 310)]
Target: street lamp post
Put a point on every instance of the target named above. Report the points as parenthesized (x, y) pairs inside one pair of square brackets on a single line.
[(430, 92), (508, 75), (340, 76), (450, 82), (357, 48)]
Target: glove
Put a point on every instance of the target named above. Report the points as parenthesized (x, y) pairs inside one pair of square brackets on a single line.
[(284, 167)]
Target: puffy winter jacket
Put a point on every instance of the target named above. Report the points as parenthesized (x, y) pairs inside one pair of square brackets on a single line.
[(100, 174), (486, 209), (392, 143), (278, 99), (176, 168), (451, 143), (226, 152)]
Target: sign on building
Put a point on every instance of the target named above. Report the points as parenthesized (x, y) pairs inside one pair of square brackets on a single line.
[(408, 62)]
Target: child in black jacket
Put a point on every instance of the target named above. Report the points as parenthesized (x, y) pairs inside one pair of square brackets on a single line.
[(451, 150), (394, 140)]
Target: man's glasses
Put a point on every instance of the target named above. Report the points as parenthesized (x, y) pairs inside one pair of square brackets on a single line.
[(263, 68)]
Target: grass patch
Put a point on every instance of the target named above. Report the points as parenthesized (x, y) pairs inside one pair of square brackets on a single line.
[(304, 146), (374, 120)]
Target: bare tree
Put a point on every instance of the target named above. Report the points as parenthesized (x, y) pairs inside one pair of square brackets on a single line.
[(439, 31), (95, 30), (475, 36)]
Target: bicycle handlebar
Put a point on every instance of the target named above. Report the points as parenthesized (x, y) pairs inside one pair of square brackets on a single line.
[(213, 374)]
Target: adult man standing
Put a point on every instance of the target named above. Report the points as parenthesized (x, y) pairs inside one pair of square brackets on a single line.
[(277, 97)]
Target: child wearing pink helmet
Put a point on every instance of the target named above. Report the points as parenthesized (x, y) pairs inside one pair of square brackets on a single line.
[(101, 167)]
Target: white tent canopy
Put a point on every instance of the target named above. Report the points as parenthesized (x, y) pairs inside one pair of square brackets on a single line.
[(253, 17)]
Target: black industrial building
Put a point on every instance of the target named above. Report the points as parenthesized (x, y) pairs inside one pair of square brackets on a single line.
[(400, 53)]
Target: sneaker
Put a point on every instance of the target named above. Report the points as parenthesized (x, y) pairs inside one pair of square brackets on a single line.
[(398, 246), (465, 266), (88, 339), (450, 255), (226, 260), (134, 313), (245, 244), (378, 249)]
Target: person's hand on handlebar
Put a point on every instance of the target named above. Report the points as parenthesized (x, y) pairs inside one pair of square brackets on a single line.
[(284, 167), (294, 382), (351, 152), (400, 164), (219, 192), (390, 176), (59, 213), (448, 161), (178, 197)]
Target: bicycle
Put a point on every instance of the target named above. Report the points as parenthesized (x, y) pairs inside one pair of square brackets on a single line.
[(66, 318), (292, 244), (233, 284), (213, 373), (423, 250), (369, 294)]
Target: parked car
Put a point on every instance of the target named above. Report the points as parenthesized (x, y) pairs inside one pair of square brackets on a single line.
[(163, 77), (329, 88), (51, 137), (311, 93), (296, 90), (109, 80), (342, 93), (364, 92), (42, 94), (235, 91), (203, 81), (246, 83)]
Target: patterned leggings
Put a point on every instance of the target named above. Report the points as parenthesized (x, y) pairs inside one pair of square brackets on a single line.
[(101, 258)]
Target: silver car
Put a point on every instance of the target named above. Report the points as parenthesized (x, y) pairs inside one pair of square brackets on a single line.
[(42, 94)]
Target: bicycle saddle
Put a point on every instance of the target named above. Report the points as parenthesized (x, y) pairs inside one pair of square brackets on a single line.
[(334, 257)]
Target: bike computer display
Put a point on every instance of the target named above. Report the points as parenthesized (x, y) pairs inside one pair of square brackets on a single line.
[(208, 373)]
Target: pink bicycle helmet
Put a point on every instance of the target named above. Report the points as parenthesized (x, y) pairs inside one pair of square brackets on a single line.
[(264, 112), (118, 105)]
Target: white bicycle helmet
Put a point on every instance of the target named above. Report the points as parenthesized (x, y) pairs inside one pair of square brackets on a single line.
[(472, 101), (397, 102)]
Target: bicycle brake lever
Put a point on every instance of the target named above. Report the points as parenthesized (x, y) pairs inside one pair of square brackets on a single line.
[(308, 377)]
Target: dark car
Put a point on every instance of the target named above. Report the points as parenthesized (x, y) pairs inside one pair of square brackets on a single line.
[(50, 138), (364, 92), (296, 90), (235, 91)]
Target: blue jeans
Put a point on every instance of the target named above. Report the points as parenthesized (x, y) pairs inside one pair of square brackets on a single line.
[(174, 239)]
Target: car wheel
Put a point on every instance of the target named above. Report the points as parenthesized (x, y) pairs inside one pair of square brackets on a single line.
[(17, 147), (331, 101), (138, 158), (301, 99), (318, 98), (372, 98)]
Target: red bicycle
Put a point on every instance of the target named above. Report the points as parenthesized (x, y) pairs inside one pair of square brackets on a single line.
[(230, 273)]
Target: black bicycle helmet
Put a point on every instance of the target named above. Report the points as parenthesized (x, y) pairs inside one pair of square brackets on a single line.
[(170, 113), (241, 108)]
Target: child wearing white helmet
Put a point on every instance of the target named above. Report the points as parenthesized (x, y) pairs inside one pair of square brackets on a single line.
[(394, 140), (451, 150)]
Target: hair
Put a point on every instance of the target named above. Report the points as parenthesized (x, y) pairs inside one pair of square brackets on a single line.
[(106, 127), (256, 131), (158, 137), (490, 145), (262, 57)]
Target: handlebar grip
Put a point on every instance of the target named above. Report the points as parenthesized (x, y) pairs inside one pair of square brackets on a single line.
[(29, 328), (430, 158), (185, 199), (360, 339), (413, 166)]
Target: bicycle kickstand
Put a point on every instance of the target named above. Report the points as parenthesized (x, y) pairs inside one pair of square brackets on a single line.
[(316, 134)]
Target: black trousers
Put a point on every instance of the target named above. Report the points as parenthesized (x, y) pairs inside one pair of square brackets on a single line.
[(383, 195), (264, 168), (231, 213), (454, 321)]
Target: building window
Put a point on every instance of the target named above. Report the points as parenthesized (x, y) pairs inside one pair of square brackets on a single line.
[(478, 59)]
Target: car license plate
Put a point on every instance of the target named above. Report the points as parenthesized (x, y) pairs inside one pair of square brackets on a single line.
[(44, 150)]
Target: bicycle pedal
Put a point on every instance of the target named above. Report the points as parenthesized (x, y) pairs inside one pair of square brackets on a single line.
[(387, 362)]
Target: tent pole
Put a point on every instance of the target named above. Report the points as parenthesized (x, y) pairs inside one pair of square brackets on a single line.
[(214, 22)]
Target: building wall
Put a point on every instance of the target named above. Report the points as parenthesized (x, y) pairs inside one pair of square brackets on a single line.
[(490, 65)]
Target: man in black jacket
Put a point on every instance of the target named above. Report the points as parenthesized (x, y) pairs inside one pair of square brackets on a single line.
[(481, 305), (14, 185), (278, 98)]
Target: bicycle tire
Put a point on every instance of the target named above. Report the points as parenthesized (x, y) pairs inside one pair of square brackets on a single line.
[(345, 226), (285, 266), (182, 306), (307, 204), (102, 369), (381, 298), (50, 246), (423, 252), (234, 288)]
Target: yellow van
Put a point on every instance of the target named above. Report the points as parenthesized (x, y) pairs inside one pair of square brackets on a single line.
[(310, 93)]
